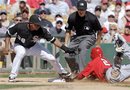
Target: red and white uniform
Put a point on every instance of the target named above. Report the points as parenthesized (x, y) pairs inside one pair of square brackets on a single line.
[(96, 67)]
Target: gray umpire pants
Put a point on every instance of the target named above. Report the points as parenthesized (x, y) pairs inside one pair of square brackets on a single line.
[(81, 44)]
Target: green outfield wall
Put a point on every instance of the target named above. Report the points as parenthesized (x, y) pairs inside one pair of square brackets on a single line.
[(108, 50)]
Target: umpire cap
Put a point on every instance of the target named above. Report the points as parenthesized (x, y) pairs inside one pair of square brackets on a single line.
[(81, 5), (35, 19)]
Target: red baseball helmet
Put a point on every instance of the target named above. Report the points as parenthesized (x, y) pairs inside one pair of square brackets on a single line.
[(96, 52)]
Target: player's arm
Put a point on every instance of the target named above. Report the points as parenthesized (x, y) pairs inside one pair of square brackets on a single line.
[(98, 41), (56, 42), (68, 28), (85, 72), (62, 46), (98, 29), (67, 38)]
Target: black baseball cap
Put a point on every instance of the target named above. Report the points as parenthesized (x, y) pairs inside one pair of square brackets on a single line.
[(81, 5), (98, 8), (35, 19), (3, 12), (41, 11)]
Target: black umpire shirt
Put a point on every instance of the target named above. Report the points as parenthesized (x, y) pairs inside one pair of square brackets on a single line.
[(28, 38), (86, 25)]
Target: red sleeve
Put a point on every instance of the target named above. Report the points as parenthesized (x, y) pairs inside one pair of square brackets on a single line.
[(87, 70)]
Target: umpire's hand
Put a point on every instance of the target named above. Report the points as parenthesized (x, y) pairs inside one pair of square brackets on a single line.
[(68, 50)]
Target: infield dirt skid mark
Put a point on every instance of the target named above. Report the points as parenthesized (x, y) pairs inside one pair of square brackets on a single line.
[(77, 85)]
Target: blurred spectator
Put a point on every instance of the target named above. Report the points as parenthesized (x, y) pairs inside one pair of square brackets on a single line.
[(22, 6), (2, 31), (42, 7), (125, 1), (19, 6), (34, 3), (74, 2), (105, 10), (58, 6), (116, 17), (109, 37), (91, 4), (16, 19), (2, 44), (46, 23), (4, 20), (126, 34), (119, 10), (98, 14), (58, 17), (25, 15), (72, 5), (104, 33), (111, 5), (11, 2), (57, 30), (2, 2), (111, 19), (69, 3), (122, 22)]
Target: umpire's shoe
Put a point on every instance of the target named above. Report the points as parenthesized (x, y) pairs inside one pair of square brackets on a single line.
[(64, 77)]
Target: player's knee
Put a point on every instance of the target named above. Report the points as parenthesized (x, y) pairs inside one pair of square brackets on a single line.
[(21, 53), (51, 57)]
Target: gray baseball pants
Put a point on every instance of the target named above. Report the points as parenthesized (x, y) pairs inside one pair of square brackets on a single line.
[(36, 50), (81, 44)]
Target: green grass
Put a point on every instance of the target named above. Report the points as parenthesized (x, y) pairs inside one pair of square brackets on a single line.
[(42, 75), (9, 86)]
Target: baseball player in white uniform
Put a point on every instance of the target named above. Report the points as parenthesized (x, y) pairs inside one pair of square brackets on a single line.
[(118, 72)]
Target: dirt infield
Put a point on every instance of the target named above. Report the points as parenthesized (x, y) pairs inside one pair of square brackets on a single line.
[(76, 85)]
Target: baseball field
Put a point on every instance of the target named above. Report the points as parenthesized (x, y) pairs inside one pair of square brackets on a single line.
[(39, 82)]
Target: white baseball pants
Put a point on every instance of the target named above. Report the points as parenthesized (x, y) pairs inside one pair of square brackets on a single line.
[(36, 50), (126, 50), (124, 74)]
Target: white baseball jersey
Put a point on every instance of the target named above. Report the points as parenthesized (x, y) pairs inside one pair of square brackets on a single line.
[(125, 69), (124, 74)]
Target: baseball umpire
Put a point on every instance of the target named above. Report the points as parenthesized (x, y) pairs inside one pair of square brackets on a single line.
[(27, 35), (87, 32)]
